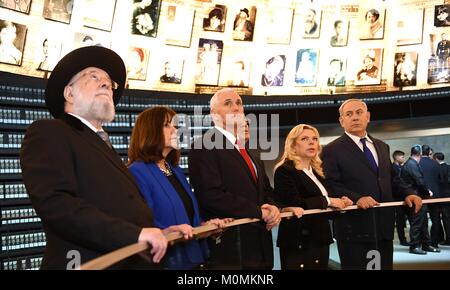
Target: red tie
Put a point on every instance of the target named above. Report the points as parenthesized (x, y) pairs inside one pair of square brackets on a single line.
[(247, 159)]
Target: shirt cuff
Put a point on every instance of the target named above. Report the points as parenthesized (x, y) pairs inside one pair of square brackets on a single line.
[(328, 200)]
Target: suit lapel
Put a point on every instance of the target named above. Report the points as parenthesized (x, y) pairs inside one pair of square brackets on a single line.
[(234, 153), (351, 146), (91, 138), (380, 153)]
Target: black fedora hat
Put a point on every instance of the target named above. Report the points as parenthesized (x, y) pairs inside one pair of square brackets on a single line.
[(245, 10), (74, 62)]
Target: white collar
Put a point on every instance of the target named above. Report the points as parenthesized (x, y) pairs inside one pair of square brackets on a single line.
[(230, 137), (86, 122), (357, 139)]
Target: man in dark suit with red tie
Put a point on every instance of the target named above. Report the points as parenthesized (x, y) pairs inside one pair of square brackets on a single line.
[(87, 200), (358, 165), (229, 182)]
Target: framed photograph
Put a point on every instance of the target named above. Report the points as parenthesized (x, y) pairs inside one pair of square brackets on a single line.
[(216, 19), (179, 23), (172, 71), (209, 58), (58, 10), (244, 24), (439, 61), (306, 67), (279, 26), (50, 53), (136, 63), (336, 72), (405, 69), (98, 14), (310, 22), (145, 17), (369, 71), (371, 23), (442, 15), (340, 33), (12, 42), (17, 5), (235, 71), (273, 75), (82, 39), (410, 27)]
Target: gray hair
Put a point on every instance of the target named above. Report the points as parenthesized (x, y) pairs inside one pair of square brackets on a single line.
[(213, 102), (341, 108)]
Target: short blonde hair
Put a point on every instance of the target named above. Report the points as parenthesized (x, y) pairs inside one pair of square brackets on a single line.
[(316, 162)]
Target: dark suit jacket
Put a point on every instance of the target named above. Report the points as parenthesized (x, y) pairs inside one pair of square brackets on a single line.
[(444, 186), (348, 172), (84, 194), (295, 188), (224, 188), (430, 169), (412, 174)]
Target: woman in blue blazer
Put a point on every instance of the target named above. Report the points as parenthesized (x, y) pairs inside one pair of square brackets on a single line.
[(153, 160)]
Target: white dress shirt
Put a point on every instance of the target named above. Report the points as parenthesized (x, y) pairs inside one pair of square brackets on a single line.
[(230, 137), (310, 173), (86, 122), (369, 144)]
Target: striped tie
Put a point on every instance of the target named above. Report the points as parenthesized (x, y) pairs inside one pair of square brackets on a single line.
[(105, 138)]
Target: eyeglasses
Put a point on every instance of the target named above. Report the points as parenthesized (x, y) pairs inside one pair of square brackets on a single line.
[(95, 76)]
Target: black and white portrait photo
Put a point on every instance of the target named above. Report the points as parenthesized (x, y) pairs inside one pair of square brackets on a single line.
[(12, 42), (216, 19), (145, 17), (58, 10), (405, 69)]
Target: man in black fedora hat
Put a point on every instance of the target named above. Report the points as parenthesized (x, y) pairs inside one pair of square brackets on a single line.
[(86, 198), (243, 27)]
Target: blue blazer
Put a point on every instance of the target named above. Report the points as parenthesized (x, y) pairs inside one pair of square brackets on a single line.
[(168, 210)]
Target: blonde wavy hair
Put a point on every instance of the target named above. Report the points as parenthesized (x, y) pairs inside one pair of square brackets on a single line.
[(289, 155)]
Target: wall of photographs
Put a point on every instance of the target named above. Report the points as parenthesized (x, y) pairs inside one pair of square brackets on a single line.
[(262, 47)]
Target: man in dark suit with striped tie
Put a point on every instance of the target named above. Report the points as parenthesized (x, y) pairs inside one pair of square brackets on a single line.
[(358, 166)]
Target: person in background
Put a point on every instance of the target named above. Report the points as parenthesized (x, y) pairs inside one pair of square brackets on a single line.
[(153, 160), (412, 175), (299, 181), (431, 175), (444, 188), (401, 212)]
